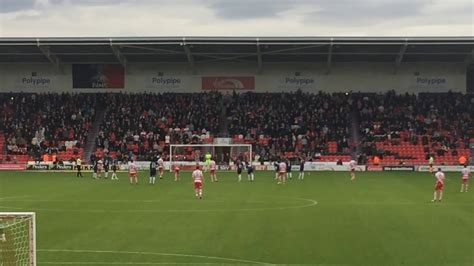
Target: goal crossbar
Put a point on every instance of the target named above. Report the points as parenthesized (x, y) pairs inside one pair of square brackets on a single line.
[(210, 147)]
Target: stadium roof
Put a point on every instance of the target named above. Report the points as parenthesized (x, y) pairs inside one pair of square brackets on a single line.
[(259, 50)]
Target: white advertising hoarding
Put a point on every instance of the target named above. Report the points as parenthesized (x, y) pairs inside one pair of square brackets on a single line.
[(344, 77)]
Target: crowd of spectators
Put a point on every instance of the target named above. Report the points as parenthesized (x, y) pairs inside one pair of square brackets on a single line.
[(45, 123), (297, 122), (142, 125), (441, 122), (304, 124)]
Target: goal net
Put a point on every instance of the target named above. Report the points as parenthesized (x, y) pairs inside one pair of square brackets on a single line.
[(224, 154), (17, 238)]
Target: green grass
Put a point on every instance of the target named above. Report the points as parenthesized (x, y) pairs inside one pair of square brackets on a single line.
[(383, 218)]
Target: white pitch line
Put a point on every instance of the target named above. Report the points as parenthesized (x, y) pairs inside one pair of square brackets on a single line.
[(14, 197), (311, 203), (400, 203), (150, 253), (124, 263), (78, 201), (119, 201)]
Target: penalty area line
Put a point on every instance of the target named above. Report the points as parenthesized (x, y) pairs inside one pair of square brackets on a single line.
[(124, 263), (311, 203), (150, 253)]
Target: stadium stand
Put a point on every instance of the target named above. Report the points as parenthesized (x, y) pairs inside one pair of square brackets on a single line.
[(145, 124), (398, 129), (45, 126), (407, 129), (291, 124)]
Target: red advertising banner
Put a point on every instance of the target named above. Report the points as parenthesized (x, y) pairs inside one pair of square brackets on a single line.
[(228, 83), (12, 166), (374, 168)]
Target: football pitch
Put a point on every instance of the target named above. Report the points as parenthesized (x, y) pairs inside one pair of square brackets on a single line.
[(382, 218)]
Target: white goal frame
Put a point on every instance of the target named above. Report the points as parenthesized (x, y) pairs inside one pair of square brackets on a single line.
[(32, 228), (210, 146)]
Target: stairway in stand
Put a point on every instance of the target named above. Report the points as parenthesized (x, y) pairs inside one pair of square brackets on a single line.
[(93, 133), (223, 122), (354, 133)]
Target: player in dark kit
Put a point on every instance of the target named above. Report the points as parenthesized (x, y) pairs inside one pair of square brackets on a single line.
[(92, 158), (153, 166), (301, 174), (106, 166), (250, 175), (114, 170), (240, 167), (289, 175), (96, 169)]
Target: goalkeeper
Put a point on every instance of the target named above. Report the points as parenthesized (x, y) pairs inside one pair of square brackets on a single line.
[(208, 158)]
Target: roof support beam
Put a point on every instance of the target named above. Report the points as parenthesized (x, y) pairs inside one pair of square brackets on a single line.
[(233, 58), (329, 60), (119, 55), (189, 56), (399, 58), (259, 59), (223, 57), (51, 57), (167, 51), (157, 50)]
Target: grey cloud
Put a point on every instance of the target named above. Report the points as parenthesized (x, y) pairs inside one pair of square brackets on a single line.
[(7, 6), (92, 2), (97, 2), (356, 13), (460, 13), (363, 17), (143, 3), (249, 9)]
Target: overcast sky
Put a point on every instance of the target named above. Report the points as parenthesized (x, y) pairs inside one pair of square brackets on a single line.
[(69, 18)]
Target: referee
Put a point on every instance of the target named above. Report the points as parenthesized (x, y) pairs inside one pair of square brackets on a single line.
[(78, 167)]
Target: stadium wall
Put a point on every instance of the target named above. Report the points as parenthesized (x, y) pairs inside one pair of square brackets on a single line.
[(364, 77)]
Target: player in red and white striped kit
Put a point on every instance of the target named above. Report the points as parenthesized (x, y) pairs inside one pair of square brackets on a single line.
[(439, 186), (176, 172), (282, 172), (352, 167), (466, 173), (161, 167), (213, 169), (198, 179), (133, 172), (100, 168)]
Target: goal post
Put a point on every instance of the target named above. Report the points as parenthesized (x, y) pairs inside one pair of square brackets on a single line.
[(18, 238), (223, 154)]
